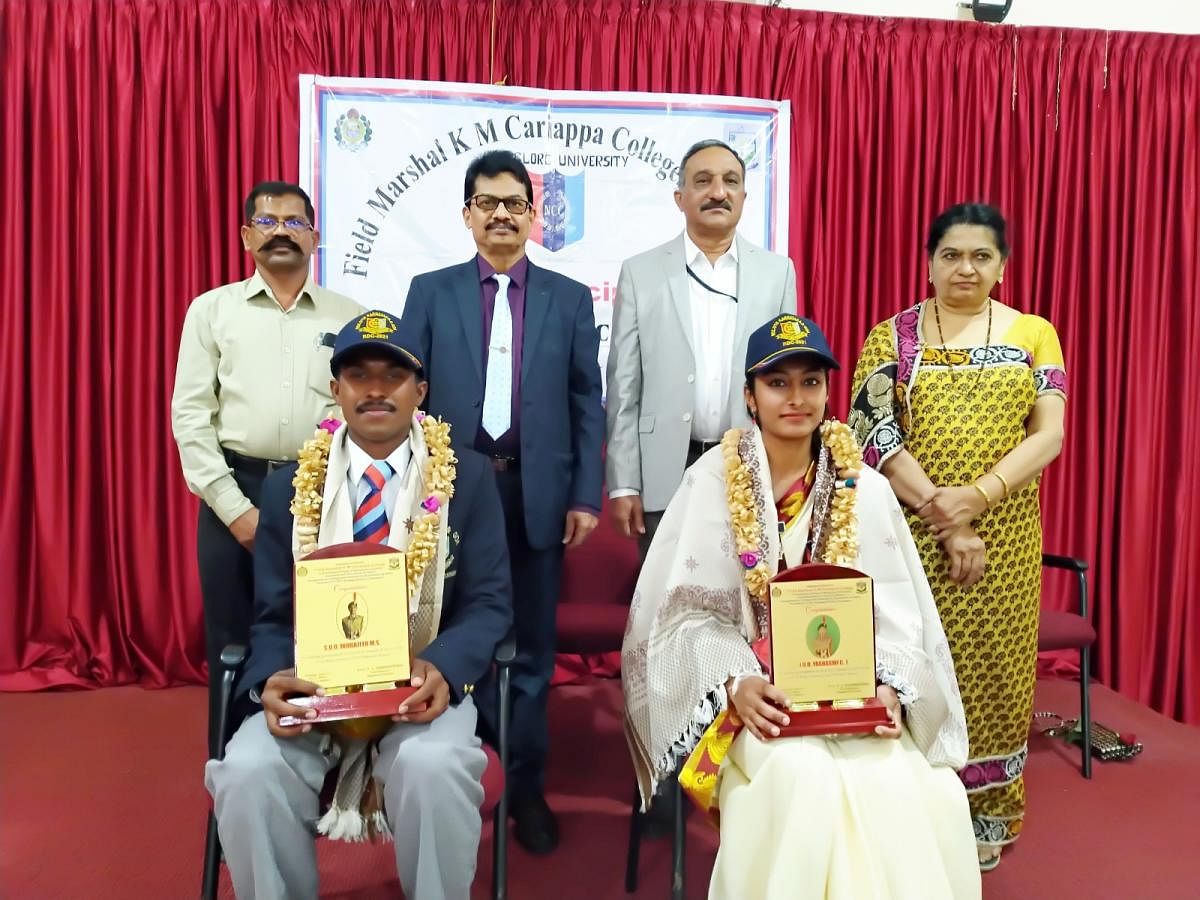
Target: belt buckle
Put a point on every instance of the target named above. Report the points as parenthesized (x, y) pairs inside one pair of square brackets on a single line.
[(502, 463)]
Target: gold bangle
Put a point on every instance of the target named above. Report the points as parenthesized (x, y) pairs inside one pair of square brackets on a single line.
[(986, 499), (1003, 481)]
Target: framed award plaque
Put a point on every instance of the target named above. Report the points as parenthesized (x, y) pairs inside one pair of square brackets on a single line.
[(351, 620), (822, 626)]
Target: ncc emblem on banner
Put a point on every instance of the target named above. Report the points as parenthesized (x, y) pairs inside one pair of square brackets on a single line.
[(352, 130), (558, 199)]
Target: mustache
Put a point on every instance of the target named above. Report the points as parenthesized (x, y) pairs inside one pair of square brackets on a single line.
[(717, 204), (373, 406), (509, 225), (281, 241)]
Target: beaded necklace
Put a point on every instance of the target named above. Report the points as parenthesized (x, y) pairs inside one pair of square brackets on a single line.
[(937, 319)]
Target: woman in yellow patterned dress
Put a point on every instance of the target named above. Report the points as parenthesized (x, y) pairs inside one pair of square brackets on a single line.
[(959, 401)]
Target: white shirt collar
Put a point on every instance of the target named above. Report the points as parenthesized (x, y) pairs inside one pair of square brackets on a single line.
[(398, 459), (694, 255)]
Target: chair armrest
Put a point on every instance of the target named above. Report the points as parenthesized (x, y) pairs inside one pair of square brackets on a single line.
[(1080, 568), (1054, 561), (506, 651), (233, 656)]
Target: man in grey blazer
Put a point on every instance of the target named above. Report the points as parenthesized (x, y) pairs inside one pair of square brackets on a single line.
[(681, 319)]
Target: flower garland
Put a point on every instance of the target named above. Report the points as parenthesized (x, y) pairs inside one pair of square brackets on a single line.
[(438, 478), (743, 515), (439, 481), (841, 547), (309, 483)]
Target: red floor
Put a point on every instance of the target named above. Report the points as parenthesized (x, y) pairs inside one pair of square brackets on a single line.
[(101, 797)]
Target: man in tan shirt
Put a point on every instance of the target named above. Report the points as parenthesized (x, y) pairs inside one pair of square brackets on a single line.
[(251, 384)]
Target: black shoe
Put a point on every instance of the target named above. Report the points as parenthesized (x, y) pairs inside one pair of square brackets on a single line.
[(536, 827)]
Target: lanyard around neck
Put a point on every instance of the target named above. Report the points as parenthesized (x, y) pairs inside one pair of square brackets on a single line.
[(708, 287)]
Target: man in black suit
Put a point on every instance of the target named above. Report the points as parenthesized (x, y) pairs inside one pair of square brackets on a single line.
[(520, 379), (378, 471)]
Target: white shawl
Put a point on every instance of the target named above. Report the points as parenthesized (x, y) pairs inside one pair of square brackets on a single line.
[(692, 621)]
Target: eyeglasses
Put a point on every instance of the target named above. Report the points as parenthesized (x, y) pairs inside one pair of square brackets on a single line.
[(488, 203), (267, 224)]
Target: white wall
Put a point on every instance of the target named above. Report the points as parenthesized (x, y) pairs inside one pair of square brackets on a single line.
[(1181, 16)]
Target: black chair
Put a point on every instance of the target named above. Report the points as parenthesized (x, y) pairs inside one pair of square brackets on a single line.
[(232, 658), (678, 841), (1069, 630)]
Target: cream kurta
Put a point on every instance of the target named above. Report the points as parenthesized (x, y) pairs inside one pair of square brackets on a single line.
[(850, 818)]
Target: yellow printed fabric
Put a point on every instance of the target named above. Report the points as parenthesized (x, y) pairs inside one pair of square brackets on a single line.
[(700, 773), (958, 412)]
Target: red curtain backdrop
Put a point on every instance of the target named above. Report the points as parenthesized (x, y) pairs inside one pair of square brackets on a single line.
[(134, 127)]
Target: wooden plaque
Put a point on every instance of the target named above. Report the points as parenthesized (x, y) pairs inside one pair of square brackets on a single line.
[(351, 622), (822, 627)]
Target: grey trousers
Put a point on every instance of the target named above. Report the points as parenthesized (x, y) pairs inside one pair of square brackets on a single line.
[(652, 519), (265, 793)]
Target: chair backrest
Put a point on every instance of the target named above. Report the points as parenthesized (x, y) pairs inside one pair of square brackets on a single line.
[(604, 569), (1078, 569), (1060, 629)]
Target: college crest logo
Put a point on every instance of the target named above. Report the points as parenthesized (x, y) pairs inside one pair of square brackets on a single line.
[(745, 140), (376, 325), (352, 131), (558, 198), (790, 331)]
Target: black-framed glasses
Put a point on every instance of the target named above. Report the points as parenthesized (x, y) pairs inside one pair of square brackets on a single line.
[(267, 224), (487, 203)]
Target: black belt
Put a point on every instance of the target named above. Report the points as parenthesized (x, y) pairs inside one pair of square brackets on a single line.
[(699, 448), (252, 465), (505, 463)]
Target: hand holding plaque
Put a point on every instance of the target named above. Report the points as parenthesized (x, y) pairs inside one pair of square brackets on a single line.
[(822, 626), (284, 704)]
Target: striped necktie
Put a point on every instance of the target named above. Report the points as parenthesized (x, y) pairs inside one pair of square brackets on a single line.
[(370, 522)]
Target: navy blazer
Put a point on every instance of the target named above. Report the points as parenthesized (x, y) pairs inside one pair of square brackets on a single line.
[(476, 600), (561, 411)]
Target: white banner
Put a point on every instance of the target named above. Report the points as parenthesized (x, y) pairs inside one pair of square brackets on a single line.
[(384, 162)]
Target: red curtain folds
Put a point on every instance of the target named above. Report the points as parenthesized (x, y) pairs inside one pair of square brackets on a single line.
[(134, 127)]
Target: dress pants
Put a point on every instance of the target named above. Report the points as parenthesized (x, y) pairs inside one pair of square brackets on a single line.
[(226, 584), (266, 795), (651, 519), (536, 577)]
